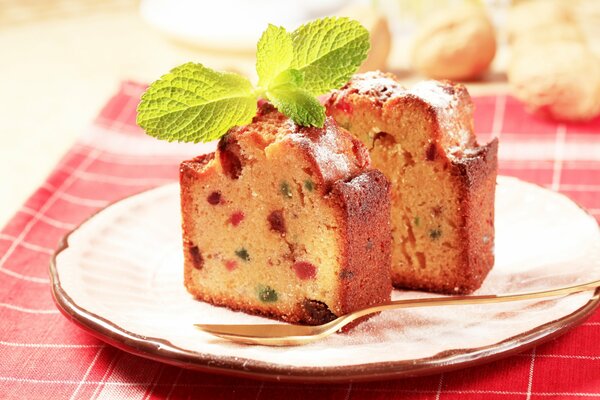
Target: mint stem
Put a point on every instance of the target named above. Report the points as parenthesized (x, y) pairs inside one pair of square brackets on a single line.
[(259, 93)]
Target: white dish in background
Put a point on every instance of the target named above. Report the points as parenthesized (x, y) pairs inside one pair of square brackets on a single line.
[(230, 25), (119, 276)]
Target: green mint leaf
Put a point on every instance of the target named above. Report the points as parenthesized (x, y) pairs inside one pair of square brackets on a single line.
[(328, 51), (274, 53), (298, 104), (288, 77), (193, 103)]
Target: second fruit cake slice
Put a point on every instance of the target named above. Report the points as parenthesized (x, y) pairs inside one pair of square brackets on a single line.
[(286, 221), (442, 181)]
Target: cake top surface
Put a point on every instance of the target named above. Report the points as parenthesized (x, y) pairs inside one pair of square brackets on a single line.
[(450, 102), (333, 152)]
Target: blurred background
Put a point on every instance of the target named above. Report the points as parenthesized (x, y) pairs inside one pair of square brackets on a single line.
[(62, 59)]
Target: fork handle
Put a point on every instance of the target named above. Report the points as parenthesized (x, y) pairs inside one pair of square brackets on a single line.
[(464, 300)]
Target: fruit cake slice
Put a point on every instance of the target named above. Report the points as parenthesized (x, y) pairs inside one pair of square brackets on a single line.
[(442, 181), (286, 221)]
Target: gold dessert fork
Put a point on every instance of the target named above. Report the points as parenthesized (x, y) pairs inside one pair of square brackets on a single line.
[(292, 335)]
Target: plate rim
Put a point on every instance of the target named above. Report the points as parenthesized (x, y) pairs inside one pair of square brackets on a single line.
[(164, 351)]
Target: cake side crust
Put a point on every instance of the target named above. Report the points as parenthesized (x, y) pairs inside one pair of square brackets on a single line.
[(478, 175), (366, 267)]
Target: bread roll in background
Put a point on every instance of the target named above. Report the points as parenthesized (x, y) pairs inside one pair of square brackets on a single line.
[(557, 79), (552, 69), (549, 34), (456, 43), (535, 17)]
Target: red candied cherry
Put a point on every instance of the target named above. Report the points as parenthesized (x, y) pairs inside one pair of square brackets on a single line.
[(344, 106), (305, 270), (231, 265), (196, 256), (236, 218), (214, 198), (230, 157), (431, 152), (277, 221)]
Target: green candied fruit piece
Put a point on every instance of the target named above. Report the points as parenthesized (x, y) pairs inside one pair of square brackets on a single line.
[(243, 254), (267, 294), (285, 190), (435, 233), (417, 220), (309, 185)]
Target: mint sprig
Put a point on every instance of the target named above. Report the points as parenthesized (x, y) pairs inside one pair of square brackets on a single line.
[(193, 103)]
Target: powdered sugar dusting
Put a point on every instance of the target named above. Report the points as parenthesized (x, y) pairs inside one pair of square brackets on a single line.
[(433, 93), (444, 97), (450, 101), (326, 148), (359, 182), (376, 82)]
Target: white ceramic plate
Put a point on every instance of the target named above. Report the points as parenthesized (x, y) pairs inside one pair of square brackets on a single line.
[(119, 276)]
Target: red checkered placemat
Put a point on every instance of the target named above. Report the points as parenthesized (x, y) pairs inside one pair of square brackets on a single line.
[(44, 356)]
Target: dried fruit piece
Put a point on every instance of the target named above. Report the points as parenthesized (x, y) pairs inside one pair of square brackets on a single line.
[(309, 185), (231, 265), (267, 294), (276, 221), (230, 157), (435, 233), (242, 253), (344, 107), (431, 152), (214, 198), (318, 312), (197, 259), (285, 190), (236, 218), (305, 270)]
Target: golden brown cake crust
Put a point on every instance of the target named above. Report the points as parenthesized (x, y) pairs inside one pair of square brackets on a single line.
[(447, 112), (357, 195), (478, 173), (365, 203)]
